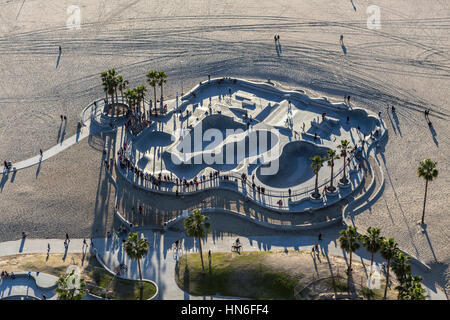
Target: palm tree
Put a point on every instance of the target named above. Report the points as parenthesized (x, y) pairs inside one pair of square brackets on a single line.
[(331, 156), (128, 96), (316, 164), (104, 76), (411, 288), (136, 248), (389, 250), (112, 74), (344, 146), (68, 288), (372, 242), (427, 170), (140, 91), (162, 76), (122, 85), (348, 241), (194, 228), (400, 266), (111, 85), (152, 79)]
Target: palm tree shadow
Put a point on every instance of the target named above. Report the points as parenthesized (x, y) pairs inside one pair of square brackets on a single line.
[(424, 231), (186, 282), (65, 252)]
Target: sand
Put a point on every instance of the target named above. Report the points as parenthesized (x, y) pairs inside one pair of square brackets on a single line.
[(405, 64)]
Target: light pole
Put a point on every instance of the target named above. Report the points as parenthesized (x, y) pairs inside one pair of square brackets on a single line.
[(181, 77)]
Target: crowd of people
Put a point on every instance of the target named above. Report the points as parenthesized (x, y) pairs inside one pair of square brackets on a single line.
[(137, 123), (6, 275)]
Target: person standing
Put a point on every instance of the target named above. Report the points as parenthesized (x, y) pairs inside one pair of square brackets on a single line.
[(40, 151), (320, 236), (67, 237)]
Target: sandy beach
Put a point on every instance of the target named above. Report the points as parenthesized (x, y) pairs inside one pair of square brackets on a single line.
[(406, 63)]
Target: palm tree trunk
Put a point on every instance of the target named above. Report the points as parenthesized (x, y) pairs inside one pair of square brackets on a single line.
[(371, 260), (154, 90), (201, 253), (424, 201), (161, 94), (350, 265), (140, 282), (344, 178), (316, 189), (387, 279), (331, 182)]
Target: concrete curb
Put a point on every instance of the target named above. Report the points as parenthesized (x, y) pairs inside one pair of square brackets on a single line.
[(100, 260)]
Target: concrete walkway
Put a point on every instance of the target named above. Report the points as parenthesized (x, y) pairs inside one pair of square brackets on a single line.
[(34, 287), (47, 154), (159, 264)]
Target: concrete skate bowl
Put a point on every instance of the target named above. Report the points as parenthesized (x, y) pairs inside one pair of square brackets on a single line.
[(217, 128), (294, 165), (226, 157), (360, 117), (151, 139)]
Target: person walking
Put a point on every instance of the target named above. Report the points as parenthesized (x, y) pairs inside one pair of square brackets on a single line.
[(67, 237), (40, 151)]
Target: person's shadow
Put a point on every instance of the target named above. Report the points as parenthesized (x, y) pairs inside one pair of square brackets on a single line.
[(186, 282), (3, 181), (13, 176), (344, 49), (59, 131), (65, 252), (38, 168), (354, 7), (22, 243), (397, 122), (57, 61), (434, 134)]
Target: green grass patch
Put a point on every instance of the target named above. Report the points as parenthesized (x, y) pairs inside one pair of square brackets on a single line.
[(117, 289), (231, 274)]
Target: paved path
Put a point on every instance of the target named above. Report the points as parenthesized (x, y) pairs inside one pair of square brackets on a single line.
[(159, 264), (66, 143), (21, 286)]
